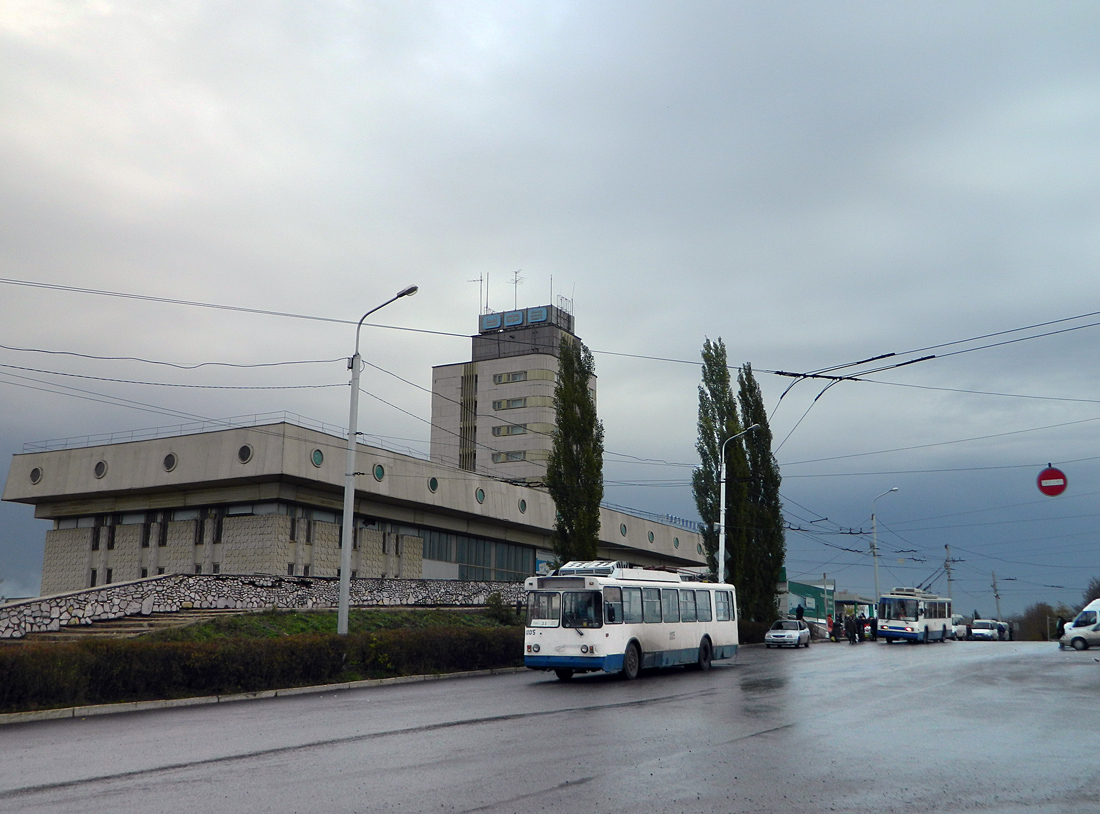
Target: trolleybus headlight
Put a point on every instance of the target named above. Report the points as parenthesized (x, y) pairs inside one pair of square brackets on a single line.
[(534, 648), (584, 648)]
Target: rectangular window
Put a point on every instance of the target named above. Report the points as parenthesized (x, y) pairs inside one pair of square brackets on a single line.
[(510, 404), (507, 457), (290, 569), (110, 574), (670, 604), (507, 378), (110, 538), (198, 568), (702, 605), (632, 605), (160, 571), (613, 605), (144, 573), (687, 606), (162, 532), (145, 535), (94, 575), (217, 568), (651, 605), (722, 609), (305, 570), (95, 540), (509, 429)]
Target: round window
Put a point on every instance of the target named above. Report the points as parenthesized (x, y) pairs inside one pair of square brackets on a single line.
[(316, 457), (379, 472), (36, 475), (244, 454), (651, 537), (622, 529), (480, 495), (675, 542), (170, 462), (433, 484), (522, 506), (699, 548), (100, 469)]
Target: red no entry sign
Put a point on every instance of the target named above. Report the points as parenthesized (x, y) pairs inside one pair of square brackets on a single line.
[(1052, 481)]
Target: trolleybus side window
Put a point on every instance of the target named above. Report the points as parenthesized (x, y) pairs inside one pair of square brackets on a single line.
[(723, 608), (543, 609), (687, 605), (651, 604), (702, 605), (613, 605), (581, 609), (670, 605), (632, 605)]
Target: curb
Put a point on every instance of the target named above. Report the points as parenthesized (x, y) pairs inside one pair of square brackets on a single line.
[(204, 700)]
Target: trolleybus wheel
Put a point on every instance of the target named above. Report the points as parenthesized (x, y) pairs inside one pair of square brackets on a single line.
[(564, 674), (703, 662), (1079, 644), (632, 662)]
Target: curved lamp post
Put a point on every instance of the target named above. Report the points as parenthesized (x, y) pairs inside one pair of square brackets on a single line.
[(721, 564), (347, 528), (874, 543)]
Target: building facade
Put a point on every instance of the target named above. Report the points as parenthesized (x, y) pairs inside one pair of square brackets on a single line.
[(495, 413), (268, 499)]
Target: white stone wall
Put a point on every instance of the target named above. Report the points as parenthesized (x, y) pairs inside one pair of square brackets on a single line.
[(170, 593)]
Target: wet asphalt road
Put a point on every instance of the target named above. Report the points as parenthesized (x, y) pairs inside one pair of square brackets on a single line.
[(960, 726)]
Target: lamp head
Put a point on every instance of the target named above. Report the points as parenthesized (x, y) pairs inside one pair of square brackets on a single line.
[(408, 292)]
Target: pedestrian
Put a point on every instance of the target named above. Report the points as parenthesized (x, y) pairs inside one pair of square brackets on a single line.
[(874, 628), (1061, 631)]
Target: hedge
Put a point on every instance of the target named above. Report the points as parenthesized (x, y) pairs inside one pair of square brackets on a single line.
[(44, 676)]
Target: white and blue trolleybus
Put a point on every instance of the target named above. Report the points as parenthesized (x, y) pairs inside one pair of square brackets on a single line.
[(915, 615), (592, 616)]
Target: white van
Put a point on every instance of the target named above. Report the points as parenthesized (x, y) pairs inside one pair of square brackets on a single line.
[(1084, 630), (958, 627)]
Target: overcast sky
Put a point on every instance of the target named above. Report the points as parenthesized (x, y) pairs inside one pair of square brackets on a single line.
[(815, 183)]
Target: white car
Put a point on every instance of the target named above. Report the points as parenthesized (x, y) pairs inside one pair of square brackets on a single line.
[(983, 630), (788, 633)]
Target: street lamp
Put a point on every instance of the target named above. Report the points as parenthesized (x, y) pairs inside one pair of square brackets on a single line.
[(874, 542), (347, 529), (720, 568)]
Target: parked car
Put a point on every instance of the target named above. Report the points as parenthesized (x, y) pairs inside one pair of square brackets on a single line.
[(983, 630), (788, 632), (1084, 631)]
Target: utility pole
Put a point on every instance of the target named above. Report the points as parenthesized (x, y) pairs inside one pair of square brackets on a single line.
[(947, 568), (996, 596)]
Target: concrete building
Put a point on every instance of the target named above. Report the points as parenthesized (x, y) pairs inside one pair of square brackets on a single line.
[(495, 413), (267, 499)]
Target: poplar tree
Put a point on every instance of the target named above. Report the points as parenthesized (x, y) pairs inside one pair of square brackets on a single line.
[(718, 421), (765, 530), (574, 471)]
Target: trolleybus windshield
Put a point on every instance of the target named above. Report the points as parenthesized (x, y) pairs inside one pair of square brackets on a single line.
[(581, 609), (904, 610), (544, 609)]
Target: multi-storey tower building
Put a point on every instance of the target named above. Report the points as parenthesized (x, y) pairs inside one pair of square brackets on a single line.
[(494, 415)]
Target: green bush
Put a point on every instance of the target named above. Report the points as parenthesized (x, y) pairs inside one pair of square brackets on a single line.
[(749, 632), (44, 676)]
